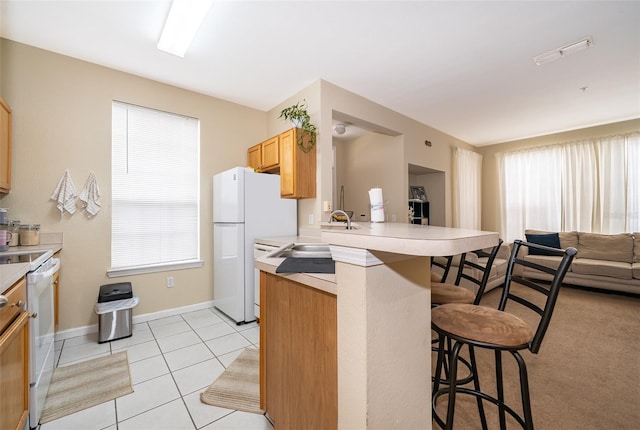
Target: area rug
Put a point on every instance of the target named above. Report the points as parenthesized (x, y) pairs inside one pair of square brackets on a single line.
[(239, 385), (89, 383)]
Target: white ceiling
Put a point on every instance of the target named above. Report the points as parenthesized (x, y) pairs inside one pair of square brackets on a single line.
[(464, 68)]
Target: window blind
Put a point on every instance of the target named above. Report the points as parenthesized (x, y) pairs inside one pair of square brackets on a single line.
[(155, 188)]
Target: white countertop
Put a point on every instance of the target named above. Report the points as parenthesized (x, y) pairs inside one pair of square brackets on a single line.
[(10, 273), (283, 240), (409, 239)]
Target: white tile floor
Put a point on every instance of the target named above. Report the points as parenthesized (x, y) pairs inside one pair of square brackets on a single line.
[(172, 360)]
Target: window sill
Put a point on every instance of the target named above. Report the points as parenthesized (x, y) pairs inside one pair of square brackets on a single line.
[(139, 270)]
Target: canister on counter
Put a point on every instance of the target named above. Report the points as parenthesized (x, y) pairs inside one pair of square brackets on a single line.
[(3, 216), (29, 234), (14, 228)]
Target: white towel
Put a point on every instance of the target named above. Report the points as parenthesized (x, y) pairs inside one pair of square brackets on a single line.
[(90, 196), (65, 194)]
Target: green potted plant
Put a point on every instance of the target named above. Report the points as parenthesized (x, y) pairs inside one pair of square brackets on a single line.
[(299, 117)]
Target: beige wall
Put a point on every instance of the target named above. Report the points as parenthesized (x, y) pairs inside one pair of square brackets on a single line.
[(277, 125), (62, 120), (490, 187), (325, 99), (370, 161)]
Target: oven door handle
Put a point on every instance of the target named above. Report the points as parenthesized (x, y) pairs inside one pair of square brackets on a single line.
[(38, 275)]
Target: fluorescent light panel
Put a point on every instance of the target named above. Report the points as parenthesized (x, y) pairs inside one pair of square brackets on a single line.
[(558, 53), (182, 25)]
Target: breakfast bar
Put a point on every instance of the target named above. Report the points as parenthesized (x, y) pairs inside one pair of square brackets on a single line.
[(383, 318)]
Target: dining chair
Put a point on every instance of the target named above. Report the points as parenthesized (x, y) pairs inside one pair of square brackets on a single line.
[(500, 331)]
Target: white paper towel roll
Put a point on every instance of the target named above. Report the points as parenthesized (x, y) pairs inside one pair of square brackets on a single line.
[(377, 205)]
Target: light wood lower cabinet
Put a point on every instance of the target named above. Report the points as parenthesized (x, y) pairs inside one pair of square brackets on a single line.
[(14, 374), (298, 355), (56, 296)]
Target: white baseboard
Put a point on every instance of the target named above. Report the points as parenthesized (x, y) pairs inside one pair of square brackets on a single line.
[(81, 331)]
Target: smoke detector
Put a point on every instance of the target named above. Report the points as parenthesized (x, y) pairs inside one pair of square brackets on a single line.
[(340, 129)]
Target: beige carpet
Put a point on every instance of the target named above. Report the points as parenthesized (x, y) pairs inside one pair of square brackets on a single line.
[(86, 384), (239, 385), (586, 375)]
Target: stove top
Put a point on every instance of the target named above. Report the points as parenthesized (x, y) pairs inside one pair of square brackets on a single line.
[(34, 258)]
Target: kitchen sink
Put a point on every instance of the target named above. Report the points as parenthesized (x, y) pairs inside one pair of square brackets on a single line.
[(303, 250), (337, 225)]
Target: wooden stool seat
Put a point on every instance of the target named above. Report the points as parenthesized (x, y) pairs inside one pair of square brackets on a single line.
[(449, 293), (482, 324)]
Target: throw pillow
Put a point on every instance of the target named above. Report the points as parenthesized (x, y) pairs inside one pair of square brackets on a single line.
[(551, 240)]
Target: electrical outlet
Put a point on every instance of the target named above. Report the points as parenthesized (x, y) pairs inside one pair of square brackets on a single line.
[(310, 219), (393, 217), (326, 206), (170, 282)]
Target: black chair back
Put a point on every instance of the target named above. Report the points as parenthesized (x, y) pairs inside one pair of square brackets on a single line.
[(486, 270), (543, 287), (446, 266)]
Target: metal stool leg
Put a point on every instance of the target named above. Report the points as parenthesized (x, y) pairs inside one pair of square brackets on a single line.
[(453, 370), (524, 391), (439, 364), (500, 389), (476, 386)]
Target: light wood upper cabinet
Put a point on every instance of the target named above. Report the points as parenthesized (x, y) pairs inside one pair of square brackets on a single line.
[(282, 155), (264, 156), (270, 153), (5, 147)]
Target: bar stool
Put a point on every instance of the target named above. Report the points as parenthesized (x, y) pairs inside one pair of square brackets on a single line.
[(442, 293), (494, 329)]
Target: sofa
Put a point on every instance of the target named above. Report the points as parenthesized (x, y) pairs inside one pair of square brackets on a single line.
[(496, 276), (603, 261)]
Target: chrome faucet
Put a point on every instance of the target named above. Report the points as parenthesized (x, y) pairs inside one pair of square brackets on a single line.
[(339, 211)]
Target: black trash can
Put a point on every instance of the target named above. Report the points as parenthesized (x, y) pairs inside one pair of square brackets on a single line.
[(114, 309)]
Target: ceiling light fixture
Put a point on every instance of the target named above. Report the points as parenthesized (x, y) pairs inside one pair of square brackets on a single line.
[(181, 26), (340, 129), (558, 53)]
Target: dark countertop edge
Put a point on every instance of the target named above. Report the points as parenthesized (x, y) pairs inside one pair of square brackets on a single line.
[(319, 281)]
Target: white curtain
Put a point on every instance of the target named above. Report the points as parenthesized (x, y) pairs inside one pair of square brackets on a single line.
[(467, 185), (633, 183), (530, 191), (579, 184), (588, 186)]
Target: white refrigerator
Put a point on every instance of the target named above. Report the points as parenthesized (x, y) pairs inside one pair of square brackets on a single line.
[(246, 205)]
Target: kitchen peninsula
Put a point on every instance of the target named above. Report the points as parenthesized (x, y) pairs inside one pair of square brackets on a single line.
[(378, 320)]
